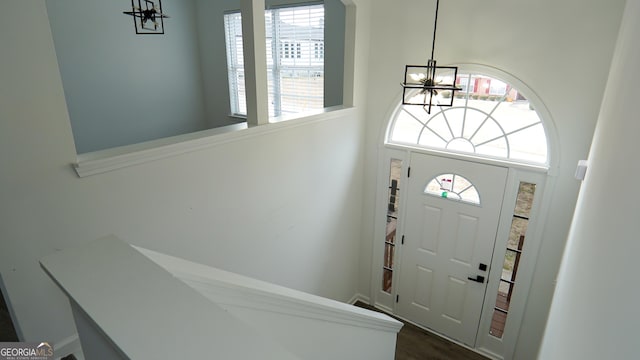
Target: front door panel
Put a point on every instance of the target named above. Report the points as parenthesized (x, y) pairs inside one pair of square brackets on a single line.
[(447, 238)]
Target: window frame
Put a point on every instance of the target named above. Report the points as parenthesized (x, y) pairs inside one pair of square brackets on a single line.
[(473, 72), (235, 68), (459, 195), (288, 50), (544, 176)]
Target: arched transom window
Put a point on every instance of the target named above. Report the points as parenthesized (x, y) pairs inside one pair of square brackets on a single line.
[(453, 187), (489, 118)]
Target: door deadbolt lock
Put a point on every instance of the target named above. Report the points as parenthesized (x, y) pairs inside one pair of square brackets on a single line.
[(478, 278)]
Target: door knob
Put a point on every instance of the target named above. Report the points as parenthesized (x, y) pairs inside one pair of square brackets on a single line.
[(478, 278)]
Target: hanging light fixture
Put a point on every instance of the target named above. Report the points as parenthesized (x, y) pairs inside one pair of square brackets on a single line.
[(147, 16), (429, 85)]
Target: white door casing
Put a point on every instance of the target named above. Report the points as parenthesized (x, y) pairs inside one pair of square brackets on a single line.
[(445, 243)]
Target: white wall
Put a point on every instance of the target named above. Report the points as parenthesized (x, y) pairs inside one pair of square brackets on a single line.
[(562, 50), (595, 310), (123, 88), (300, 189), (282, 206)]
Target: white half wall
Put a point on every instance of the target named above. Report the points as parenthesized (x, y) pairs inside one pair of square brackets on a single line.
[(282, 206)]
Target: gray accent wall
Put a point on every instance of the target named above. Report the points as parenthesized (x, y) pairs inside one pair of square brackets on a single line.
[(334, 12), (122, 88)]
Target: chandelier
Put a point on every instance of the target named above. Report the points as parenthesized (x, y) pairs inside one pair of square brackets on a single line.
[(430, 85)]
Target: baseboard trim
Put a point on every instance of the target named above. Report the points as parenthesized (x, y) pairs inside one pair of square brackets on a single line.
[(358, 297), (68, 345), (385, 309)]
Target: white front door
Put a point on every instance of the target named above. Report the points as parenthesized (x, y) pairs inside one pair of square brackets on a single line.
[(448, 243)]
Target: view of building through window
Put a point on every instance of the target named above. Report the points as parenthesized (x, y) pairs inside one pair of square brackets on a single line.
[(520, 221), (395, 169), (295, 59), (489, 118)]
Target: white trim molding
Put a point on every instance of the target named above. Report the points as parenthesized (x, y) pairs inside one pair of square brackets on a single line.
[(67, 346), (233, 291), (102, 161)]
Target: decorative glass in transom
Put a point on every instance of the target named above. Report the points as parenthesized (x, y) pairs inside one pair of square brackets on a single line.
[(489, 118)]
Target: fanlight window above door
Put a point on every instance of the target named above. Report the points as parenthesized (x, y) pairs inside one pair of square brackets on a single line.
[(489, 118), (453, 187)]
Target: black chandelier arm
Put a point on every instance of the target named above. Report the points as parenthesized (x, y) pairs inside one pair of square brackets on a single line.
[(146, 14), (435, 27), (423, 85)]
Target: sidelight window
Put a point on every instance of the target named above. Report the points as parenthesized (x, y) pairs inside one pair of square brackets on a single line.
[(515, 245), (390, 240)]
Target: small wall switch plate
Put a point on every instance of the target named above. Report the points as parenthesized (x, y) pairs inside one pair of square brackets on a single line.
[(581, 170)]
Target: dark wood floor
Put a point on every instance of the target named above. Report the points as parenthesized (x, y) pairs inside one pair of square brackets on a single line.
[(417, 344), (7, 332)]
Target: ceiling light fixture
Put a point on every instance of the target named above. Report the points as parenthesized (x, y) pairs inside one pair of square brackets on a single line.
[(430, 85), (147, 17)]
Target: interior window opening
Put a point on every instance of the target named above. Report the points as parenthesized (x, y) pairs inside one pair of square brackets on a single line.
[(295, 60)]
